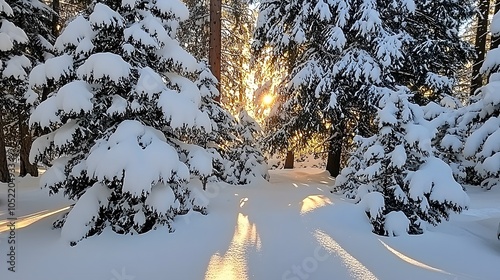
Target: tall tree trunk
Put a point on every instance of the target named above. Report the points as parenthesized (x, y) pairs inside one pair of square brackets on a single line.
[(214, 55), (333, 161), (55, 18), (481, 32), (495, 40), (335, 147), (290, 63), (26, 140), (289, 160), (4, 170)]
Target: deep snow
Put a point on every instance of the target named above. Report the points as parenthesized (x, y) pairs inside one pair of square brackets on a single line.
[(290, 228)]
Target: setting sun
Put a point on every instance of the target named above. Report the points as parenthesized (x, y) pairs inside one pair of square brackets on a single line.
[(268, 99)]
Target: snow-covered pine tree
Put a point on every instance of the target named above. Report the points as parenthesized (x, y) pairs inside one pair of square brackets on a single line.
[(401, 183), (24, 42), (246, 161), (346, 51), (132, 117), (480, 119), (347, 183), (437, 52)]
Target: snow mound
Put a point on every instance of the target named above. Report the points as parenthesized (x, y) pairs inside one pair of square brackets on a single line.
[(373, 203), (161, 199), (396, 223)]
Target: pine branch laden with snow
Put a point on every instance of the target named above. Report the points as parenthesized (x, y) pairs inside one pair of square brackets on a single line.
[(24, 43), (481, 122), (449, 140), (438, 52), (132, 119), (395, 174)]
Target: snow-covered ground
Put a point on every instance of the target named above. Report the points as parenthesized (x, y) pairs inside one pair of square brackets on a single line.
[(290, 228)]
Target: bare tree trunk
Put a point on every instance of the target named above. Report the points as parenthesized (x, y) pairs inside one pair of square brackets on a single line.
[(333, 161), (26, 140), (481, 32), (289, 160), (55, 18), (4, 170), (214, 56)]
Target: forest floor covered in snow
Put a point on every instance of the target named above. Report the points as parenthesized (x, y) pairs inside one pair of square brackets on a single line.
[(289, 228)]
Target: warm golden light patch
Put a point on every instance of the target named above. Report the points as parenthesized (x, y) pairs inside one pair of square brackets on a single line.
[(233, 264), (27, 220), (314, 201)]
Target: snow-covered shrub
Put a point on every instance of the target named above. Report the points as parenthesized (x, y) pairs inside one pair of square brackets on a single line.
[(398, 163), (131, 116)]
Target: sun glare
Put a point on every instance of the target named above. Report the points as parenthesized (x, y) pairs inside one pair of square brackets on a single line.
[(268, 99)]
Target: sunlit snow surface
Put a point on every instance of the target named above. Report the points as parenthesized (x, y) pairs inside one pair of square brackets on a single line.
[(291, 228)]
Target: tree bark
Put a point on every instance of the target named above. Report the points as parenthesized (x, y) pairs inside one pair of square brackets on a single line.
[(333, 161), (481, 32), (289, 160), (26, 140), (214, 55), (4, 170), (338, 135), (55, 18)]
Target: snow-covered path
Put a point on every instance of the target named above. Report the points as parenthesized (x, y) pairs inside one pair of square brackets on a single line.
[(291, 228), (267, 222)]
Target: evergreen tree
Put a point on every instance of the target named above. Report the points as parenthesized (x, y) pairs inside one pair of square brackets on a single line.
[(436, 52), (398, 172), (340, 53), (480, 119), (245, 159), (25, 42), (131, 116)]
